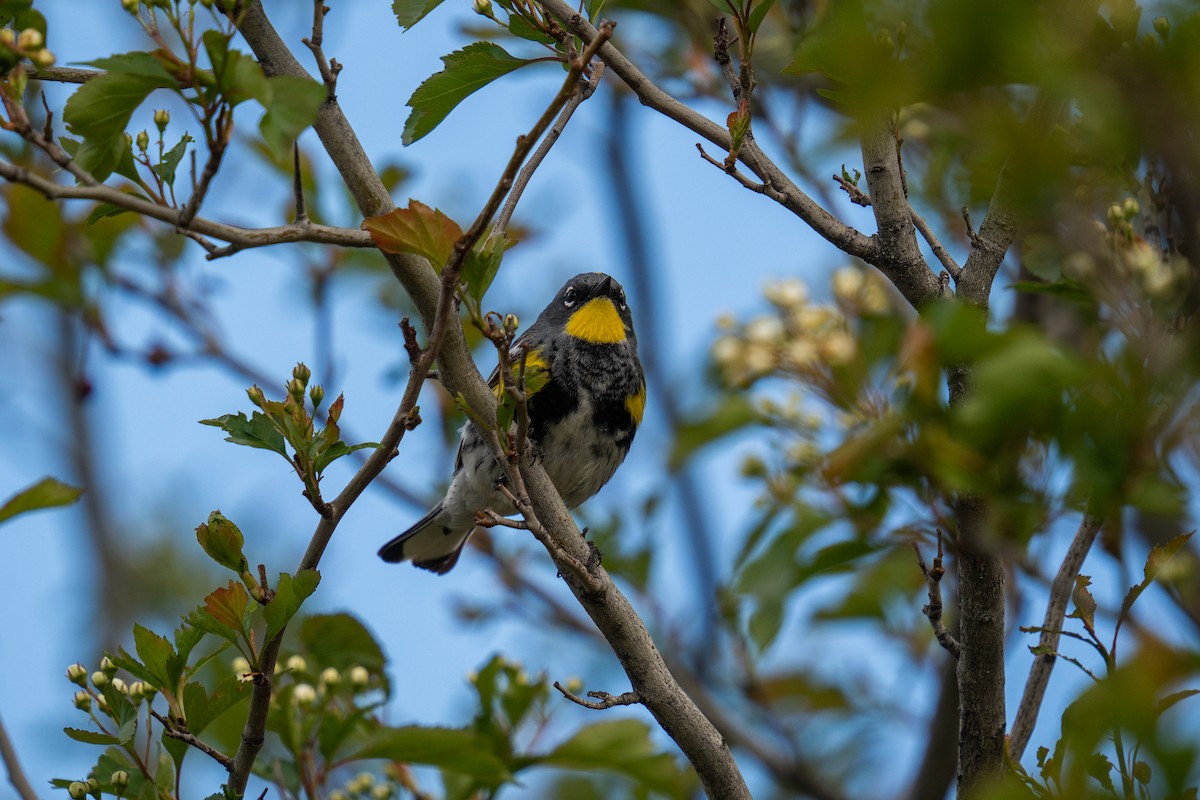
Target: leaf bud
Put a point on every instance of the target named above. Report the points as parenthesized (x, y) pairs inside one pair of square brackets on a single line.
[(119, 780), (302, 373), (296, 664), (30, 39), (304, 694), (83, 701), (77, 674), (316, 394), (77, 790), (99, 679), (359, 677), (222, 541), (162, 118)]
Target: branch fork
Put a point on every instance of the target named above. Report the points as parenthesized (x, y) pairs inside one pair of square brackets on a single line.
[(933, 611)]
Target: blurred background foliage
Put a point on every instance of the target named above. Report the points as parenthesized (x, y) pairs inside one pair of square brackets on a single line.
[(791, 461)]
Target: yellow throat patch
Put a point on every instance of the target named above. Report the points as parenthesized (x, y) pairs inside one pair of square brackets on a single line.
[(597, 322)]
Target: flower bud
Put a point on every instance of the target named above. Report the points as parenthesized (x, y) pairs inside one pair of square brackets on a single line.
[(362, 782), (296, 389), (77, 674), (143, 141), (119, 780), (83, 701), (483, 7), (302, 373), (130, 5), (316, 394), (381, 792), (511, 323), (296, 663), (256, 396), (148, 691), (7, 37), (304, 694), (1130, 207), (43, 58), (359, 677), (30, 39), (120, 686), (338, 794), (108, 667), (330, 677), (99, 679), (93, 786), (241, 665), (1162, 26), (102, 703), (162, 118), (78, 790)]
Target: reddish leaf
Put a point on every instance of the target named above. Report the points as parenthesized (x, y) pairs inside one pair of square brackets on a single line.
[(418, 229), (228, 606)]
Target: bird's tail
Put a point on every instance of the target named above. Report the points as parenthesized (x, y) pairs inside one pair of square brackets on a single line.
[(432, 543)]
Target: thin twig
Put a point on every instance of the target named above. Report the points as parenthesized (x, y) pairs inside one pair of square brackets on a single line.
[(298, 186), (490, 519), (935, 244), (237, 237), (857, 195), (172, 730), (1051, 630), (933, 577), (603, 699), (16, 775), (730, 169), (329, 69)]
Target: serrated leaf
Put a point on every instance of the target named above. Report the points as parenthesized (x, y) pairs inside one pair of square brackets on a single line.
[(154, 651), (623, 747), (335, 451), (203, 708), (1100, 769), (170, 160), (290, 594), (293, 106), (90, 737), (46, 493), (466, 71), (257, 431), (228, 605), (410, 12), (139, 63), (458, 750), (418, 229)]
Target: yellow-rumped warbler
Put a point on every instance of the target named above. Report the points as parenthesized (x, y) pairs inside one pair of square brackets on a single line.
[(586, 392)]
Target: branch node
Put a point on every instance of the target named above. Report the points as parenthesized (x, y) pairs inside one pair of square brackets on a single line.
[(933, 577), (603, 699)]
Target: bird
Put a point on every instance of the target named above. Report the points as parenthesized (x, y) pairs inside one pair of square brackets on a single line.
[(586, 394)]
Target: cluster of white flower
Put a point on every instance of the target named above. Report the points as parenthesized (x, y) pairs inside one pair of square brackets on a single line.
[(329, 681), (29, 43), (796, 336), (365, 785), (1133, 260), (102, 678)]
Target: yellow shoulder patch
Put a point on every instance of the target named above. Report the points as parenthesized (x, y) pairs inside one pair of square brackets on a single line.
[(597, 322), (635, 404), (537, 372)]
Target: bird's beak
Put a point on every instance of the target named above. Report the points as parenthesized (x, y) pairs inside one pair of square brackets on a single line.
[(602, 289)]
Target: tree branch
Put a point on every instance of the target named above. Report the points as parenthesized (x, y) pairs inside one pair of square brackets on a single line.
[(170, 729), (238, 238), (933, 578), (603, 699), (1047, 646), (16, 775), (841, 235)]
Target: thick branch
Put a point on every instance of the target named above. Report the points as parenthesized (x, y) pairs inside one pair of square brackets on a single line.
[(238, 237), (1047, 646), (16, 776), (791, 196)]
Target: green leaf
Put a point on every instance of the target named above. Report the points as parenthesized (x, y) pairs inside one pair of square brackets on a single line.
[(410, 12), (758, 14), (335, 451), (467, 71), (46, 493), (203, 708), (35, 225), (170, 160), (154, 651), (293, 106), (734, 413), (521, 27), (223, 542), (418, 229), (623, 747), (341, 641), (482, 264), (257, 431), (290, 594), (90, 737), (100, 109), (103, 156), (458, 750), (137, 63), (1100, 768)]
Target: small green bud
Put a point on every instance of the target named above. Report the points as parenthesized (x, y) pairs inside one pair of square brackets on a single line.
[(511, 323), (77, 790), (83, 701), (77, 674), (130, 5), (93, 785), (302, 373), (120, 686), (483, 7), (43, 58), (102, 703), (330, 677), (143, 141), (1130, 207), (1115, 213), (296, 664), (1162, 26), (119, 780), (108, 667), (316, 394), (381, 792), (256, 396), (30, 39), (360, 678), (99, 679), (8, 37), (162, 118), (148, 691), (295, 388)]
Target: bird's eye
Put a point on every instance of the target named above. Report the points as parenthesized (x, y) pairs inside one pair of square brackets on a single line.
[(569, 297)]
